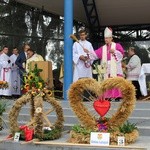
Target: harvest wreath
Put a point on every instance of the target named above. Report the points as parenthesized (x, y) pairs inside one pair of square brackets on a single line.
[(39, 119), (39, 125), (90, 123)]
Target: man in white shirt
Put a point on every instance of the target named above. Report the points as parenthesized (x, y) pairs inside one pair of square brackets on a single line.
[(82, 61)]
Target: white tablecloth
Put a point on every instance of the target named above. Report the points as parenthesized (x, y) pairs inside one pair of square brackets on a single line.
[(145, 69)]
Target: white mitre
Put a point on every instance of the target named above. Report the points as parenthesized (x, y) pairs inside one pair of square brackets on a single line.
[(107, 32)]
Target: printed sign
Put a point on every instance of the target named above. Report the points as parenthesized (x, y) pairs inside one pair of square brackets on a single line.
[(121, 141), (100, 139), (47, 128), (16, 137)]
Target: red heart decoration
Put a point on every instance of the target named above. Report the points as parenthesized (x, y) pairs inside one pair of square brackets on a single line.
[(101, 107)]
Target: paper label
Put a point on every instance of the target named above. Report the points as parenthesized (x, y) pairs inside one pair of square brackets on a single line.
[(100, 139), (121, 141), (16, 137)]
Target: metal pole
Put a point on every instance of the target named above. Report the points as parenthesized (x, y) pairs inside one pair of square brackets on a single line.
[(68, 28)]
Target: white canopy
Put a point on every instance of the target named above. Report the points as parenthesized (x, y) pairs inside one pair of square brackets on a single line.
[(110, 12)]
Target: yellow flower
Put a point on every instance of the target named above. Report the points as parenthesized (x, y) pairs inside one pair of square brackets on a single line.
[(26, 79), (32, 74), (40, 85), (30, 77)]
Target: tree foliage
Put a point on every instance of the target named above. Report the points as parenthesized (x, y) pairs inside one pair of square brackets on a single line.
[(24, 24)]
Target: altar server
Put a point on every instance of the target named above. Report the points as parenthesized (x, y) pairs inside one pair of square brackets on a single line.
[(81, 60)]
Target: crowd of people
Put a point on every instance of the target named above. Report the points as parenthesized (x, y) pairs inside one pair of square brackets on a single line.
[(13, 67), (111, 55)]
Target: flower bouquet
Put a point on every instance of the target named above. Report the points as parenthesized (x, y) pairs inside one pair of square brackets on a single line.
[(3, 84), (33, 81)]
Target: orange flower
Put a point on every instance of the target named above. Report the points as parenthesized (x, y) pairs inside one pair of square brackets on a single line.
[(27, 87)]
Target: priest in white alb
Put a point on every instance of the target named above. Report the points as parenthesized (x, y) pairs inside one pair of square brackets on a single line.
[(81, 60), (5, 71), (15, 73)]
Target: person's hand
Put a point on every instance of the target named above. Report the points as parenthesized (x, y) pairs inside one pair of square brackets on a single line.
[(23, 65), (86, 50), (112, 51), (124, 65), (83, 58)]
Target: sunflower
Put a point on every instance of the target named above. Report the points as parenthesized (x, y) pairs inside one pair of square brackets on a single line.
[(30, 77), (49, 93)]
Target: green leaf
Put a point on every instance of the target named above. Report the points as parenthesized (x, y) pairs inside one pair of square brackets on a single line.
[(127, 127)]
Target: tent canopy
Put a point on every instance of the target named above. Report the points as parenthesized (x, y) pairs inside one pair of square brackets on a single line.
[(110, 12)]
